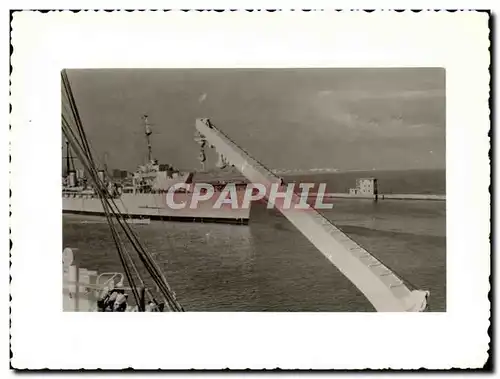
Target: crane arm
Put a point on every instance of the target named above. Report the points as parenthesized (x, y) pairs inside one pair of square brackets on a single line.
[(385, 291)]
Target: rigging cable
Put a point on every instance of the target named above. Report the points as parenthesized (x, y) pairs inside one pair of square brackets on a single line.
[(107, 206), (113, 233), (110, 205)]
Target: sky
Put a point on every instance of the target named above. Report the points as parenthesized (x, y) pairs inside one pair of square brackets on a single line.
[(347, 119)]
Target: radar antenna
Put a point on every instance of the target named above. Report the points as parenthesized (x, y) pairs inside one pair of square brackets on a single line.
[(147, 133)]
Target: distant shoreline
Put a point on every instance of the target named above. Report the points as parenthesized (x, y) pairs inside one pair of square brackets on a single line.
[(292, 172)]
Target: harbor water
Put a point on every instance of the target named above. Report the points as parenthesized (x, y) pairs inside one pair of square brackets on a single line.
[(269, 265)]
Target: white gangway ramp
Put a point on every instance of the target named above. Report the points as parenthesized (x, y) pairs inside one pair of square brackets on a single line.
[(385, 291)]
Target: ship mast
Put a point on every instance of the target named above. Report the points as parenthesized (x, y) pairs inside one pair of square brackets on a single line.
[(147, 133), (105, 162), (69, 158)]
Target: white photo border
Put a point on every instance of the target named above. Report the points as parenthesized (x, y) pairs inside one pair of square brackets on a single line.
[(45, 337)]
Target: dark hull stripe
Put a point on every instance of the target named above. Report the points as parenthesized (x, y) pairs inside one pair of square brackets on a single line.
[(220, 220)]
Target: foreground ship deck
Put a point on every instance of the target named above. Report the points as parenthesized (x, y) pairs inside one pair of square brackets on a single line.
[(87, 291)]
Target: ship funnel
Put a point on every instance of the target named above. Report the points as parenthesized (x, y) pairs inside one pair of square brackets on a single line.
[(72, 179)]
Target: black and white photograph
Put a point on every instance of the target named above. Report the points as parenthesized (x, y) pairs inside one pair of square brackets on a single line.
[(250, 190), (368, 144)]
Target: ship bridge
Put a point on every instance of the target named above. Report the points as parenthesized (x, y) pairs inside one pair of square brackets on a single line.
[(380, 285)]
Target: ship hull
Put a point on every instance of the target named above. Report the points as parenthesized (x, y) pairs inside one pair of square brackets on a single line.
[(154, 207)]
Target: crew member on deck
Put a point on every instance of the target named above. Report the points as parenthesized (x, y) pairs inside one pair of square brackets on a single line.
[(120, 304)]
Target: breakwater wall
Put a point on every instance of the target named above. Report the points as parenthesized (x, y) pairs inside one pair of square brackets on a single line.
[(383, 196), (412, 197)]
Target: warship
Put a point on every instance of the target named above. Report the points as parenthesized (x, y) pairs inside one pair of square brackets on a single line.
[(143, 196)]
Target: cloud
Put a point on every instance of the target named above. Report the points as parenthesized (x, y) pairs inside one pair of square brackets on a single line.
[(382, 95), (324, 93), (202, 98)]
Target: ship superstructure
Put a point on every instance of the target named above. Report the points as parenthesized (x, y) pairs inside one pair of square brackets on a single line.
[(144, 196)]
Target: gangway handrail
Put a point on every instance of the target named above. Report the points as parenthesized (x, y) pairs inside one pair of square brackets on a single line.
[(92, 286), (374, 279), (113, 276)]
